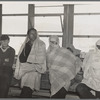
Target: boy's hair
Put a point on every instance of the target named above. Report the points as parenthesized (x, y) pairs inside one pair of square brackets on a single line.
[(4, 37)]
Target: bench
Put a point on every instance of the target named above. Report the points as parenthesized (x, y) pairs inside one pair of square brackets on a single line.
[(45, 84)]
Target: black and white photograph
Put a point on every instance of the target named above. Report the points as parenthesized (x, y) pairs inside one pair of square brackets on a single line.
[(50, 49)]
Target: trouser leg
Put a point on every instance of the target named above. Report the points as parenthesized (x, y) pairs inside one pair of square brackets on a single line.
[(26, 92), (60, 94), (4, 86), (84, 92)]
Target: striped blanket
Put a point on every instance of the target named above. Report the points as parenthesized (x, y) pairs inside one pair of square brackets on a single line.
[(63, 67)]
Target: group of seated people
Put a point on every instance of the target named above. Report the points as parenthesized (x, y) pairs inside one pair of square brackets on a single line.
[(63, 64)]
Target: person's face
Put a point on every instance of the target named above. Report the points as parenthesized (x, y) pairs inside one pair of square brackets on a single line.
[(54, 42), (32, 35), (4, 43)]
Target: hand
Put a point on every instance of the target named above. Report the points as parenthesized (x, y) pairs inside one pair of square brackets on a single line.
[(7, 60)]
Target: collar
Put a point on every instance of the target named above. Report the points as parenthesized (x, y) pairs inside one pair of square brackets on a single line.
[(4, 50)]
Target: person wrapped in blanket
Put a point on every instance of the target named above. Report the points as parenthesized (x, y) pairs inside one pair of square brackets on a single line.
[(31, 62), (89, 88), (7, 55), (62, 65)]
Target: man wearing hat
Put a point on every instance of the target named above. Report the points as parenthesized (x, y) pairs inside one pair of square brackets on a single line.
[(7, 55), (89, 88)]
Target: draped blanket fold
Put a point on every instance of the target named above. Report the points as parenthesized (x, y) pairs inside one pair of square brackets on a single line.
[(63, 67), (30, 71), (91, 68)]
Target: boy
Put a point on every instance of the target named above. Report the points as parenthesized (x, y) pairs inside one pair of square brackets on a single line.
[(7, 55)]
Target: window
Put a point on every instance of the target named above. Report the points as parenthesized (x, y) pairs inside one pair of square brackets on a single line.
[(50, 9), (15, 8), (87, 25), (85, 44), (14, 25), (87, 8), (48, 24), (16, 43)]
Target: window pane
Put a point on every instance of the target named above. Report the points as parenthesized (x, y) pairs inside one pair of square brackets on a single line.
[(87, 25), (48, 24), (14, 8), (49, 9), (16, 43), (85, 44), (14, 25), (89, 8)]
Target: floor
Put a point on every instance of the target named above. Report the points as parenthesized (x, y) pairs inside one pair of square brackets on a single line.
[(15, 92)]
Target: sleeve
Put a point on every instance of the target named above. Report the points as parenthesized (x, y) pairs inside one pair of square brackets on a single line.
[(11, 58)]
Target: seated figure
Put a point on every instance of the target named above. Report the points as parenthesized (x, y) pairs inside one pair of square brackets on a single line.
[(62, 65), (31, 63), (89, 88)]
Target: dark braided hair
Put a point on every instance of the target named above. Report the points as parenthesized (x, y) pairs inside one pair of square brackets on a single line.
[(31, 29)]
